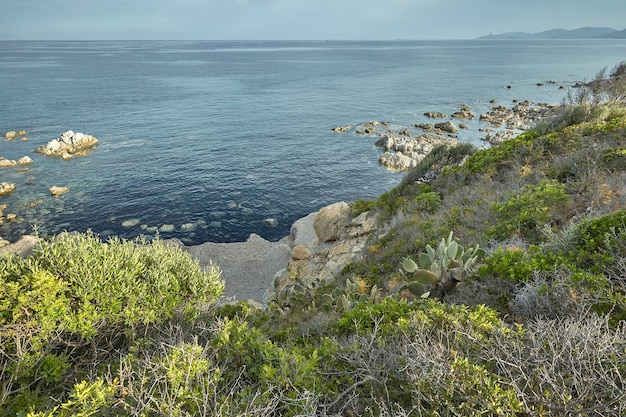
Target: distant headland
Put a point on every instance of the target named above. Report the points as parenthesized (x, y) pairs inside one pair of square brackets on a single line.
[(580, 33)]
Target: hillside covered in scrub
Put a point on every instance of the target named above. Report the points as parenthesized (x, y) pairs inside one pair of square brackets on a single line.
[(499, 290)]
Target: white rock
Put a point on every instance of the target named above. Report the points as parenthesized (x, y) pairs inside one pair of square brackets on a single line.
[(57, 191), (25, 160)]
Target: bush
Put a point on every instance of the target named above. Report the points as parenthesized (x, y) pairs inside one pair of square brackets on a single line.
[(78, 300), (526, 213)]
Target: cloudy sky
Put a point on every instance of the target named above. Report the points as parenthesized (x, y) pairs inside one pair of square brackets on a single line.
[(297, 19)]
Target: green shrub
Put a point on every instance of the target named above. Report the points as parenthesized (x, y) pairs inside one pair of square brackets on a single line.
[(525, 213), (614, 158), (78, 300)]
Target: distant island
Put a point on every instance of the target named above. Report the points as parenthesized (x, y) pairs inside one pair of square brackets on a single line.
[(580, 33)]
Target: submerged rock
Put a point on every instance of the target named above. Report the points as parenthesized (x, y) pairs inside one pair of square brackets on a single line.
[(6, 188), (68, 145), (130, 223)]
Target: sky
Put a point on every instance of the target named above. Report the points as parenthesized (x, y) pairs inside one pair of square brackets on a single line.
[(297, 19)]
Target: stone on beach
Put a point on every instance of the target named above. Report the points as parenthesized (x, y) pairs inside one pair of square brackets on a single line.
[(68, 144)]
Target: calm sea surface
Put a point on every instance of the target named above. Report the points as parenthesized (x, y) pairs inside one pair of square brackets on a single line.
[(213, 138)]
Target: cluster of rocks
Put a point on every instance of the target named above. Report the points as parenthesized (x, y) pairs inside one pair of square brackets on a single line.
[(322, 244), (404, 152), (6, 188), (12, 134), (68, 145), (5, 218), (522, 116), (401, 152), (25, 160)]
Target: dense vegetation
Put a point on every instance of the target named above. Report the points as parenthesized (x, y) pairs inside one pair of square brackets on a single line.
[(519, 312)]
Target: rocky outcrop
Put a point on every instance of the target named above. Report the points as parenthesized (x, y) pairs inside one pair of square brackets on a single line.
[(23, 247), (12, 134), (330, 221), (397, 161), (435, 115), (322, 244), (522, 116), (69, 144), (464, 113), (25, 160), (447, 127), (6, 188), (402, 153)]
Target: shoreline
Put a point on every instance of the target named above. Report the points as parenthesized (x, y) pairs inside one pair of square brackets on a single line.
[(252, 268)]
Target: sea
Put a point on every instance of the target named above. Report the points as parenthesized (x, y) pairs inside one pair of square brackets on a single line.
[(210, 141)]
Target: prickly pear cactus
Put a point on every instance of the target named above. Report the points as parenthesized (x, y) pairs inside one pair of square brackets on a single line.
[(341, 300), (439, 270)]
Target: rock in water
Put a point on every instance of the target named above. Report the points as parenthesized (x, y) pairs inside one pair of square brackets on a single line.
[(13, 134), (69, 143), (448, 127), (57, 191), (6, 188)]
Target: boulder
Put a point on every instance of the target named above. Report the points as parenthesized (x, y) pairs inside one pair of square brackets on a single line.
[(300, 253), (330, 221), (435, 115), (426, 126), (6, 188), (23, 247), (5, 163), (12, 134), (68, 144), (57, 191), (303, 233), (396, 161), (448, 127), (25, 160), (323, 261)]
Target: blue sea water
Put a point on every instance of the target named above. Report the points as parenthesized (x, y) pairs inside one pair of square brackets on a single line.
[(215, 137)]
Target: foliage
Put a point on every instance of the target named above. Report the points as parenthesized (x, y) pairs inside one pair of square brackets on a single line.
[(131, 329), (525, 213), (439, 270), (77, 300), (345, 300)]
